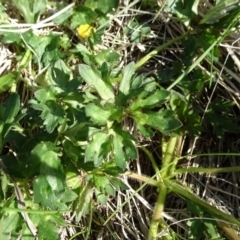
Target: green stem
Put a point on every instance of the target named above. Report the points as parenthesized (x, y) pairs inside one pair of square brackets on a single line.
[(143, 60), (25, 60), (151, 158), (207, 170), (77, 234), (168, 152), (155, 183), (180, 189), (168, 155), (89, 230), (7, 209), (25, 186), (157, 215), (176, 160)]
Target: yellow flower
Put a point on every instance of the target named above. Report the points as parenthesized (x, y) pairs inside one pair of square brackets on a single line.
[(85, 31)]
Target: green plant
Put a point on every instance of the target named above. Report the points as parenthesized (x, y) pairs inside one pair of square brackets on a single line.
[(203, 225), (66, 147)]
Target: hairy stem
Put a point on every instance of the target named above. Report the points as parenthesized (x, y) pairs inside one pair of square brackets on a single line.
[(207, 170), (168, 155), (157, 219)]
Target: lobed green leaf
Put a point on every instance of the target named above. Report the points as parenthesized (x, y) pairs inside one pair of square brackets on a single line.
[(97, 113), (163, 120), (123, 147), (98, 148), (106, 6), (126, 81), (51, 166), (84, 201), (10, 108), (154, 100), (104, 90), (7, 80)]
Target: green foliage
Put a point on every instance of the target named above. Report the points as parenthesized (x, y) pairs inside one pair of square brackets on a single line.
[(92, 78), (203, 226), (7, 81), (105, 6), (66, 146), (10, 223), (8, 111), (3, 14), (185, 10), (136, 31), (30, 10), (222, 9), (84, 201), (83, 15), (220, 117)]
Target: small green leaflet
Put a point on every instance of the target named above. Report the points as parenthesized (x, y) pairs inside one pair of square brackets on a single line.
[(186, 10), (163, 120), (127, 78), (123, 147), (84, 201), (8, 112), (104, 6), (101, 197), (119, 154), (9, 223), (47, 230), (154, 100), (7, 80), (10, 108), (104, 90), (98, 148), (39, 6), (97, 113), (48, 154)]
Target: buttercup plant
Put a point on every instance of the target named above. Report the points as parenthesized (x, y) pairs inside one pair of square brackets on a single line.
[(76, 119)]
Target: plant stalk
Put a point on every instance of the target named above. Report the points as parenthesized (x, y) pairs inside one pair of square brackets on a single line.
[(151, 158), (143, 60), (168, 155), (157, 215), (207, 170), (183, 191)]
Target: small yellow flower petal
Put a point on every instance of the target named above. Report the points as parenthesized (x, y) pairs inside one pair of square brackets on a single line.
[(85, 31)]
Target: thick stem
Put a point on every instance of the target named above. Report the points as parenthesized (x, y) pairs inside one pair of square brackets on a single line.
[(168, 155), (157, 219), (183, 191), (206, 170), (25, 186)]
